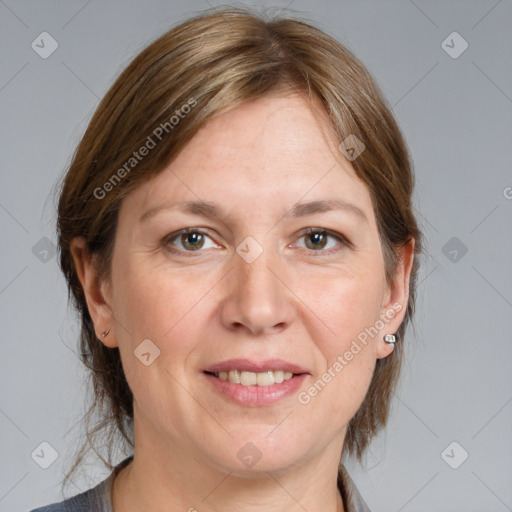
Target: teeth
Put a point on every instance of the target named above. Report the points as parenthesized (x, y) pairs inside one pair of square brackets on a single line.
[(255, 379), (234, 376), (265, 379), (248, 378), (279, 376)]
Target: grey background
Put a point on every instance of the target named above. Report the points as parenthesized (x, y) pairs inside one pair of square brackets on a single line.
[(456, 115)]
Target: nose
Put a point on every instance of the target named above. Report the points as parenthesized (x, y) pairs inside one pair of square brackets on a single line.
[(258, 299)]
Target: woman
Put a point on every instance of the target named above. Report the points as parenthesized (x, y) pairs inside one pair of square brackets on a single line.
[(237, 233)]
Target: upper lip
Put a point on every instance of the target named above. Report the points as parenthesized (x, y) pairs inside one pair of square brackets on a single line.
[(250, 365)]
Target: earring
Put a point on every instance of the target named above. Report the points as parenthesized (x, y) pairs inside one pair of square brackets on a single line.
[(390, 338), (105, 333)]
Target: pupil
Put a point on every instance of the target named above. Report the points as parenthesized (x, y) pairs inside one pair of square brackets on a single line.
[(193, 240), (317, 240)]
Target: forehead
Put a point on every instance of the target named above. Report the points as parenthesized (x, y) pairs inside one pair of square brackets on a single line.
[(283, 130), (274, 150)]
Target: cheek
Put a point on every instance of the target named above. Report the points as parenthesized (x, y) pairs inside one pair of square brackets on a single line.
[(161, 305), (348, 307), (347, 303), (348, 388)]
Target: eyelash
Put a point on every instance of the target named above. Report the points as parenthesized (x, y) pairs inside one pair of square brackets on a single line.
[(344, 242)]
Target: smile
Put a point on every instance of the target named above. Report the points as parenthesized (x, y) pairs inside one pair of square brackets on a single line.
[(245, 378), (255, 389)]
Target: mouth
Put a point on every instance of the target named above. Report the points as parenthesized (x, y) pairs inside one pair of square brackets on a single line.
[(246, 378), (251, 383)]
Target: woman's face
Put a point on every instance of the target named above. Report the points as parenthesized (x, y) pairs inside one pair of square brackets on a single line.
[(250, 283)]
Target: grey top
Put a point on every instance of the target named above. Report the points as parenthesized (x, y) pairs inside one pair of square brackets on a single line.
[(98, 499)]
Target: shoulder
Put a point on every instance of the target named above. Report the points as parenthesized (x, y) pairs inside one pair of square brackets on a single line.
[(96, 499)]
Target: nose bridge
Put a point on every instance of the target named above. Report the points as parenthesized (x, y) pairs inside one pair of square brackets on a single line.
[(256, 277), (257, 299)]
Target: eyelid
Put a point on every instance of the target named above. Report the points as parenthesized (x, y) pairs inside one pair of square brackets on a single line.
[(344, 241), (205, 232), (176, 234)]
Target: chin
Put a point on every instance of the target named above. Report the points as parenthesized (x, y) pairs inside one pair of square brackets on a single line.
[(259, 451)]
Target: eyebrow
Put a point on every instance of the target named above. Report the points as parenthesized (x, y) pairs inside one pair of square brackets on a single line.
[(209, 209), (303, 209)]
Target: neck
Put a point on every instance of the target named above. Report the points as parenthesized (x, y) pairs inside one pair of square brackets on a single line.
[(177, 479)]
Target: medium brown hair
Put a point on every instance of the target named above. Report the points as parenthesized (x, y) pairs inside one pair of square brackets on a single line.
[(218, 61)]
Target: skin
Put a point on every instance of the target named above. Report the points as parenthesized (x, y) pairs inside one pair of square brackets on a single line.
[(294, 301)]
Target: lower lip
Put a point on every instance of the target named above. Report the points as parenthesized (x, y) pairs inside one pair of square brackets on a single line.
[(255, 396)]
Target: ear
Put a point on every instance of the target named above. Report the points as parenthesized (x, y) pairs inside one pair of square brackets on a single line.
[(396, 298), (96, 292)]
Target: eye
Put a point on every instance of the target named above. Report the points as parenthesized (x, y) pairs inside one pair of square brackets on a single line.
[(188, 240), (317, 239)]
